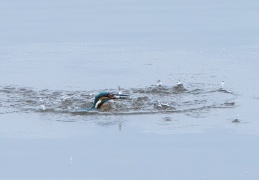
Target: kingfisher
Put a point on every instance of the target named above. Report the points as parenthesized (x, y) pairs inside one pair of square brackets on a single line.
[(102, 98)]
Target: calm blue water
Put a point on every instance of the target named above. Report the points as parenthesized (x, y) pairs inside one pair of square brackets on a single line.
[(60, 54)]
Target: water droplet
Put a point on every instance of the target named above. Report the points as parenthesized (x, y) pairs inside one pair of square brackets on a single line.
[(179, 83), (43, 107), (119, 88), (159, 83), (222, 84)]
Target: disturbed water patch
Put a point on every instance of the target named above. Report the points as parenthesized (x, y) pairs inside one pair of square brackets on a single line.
[(192, 99)]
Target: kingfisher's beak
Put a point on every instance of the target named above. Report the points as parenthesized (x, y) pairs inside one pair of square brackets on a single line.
[(121, 96)]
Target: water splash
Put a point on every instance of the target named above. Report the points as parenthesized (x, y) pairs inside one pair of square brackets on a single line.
[(159, 83), (192, 99), (222, 89), (236, 120)]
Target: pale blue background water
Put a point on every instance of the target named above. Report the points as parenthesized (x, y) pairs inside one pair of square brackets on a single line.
[(94, 45)]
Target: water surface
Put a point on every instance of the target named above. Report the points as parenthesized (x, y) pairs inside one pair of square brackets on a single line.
[(56, 56)]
